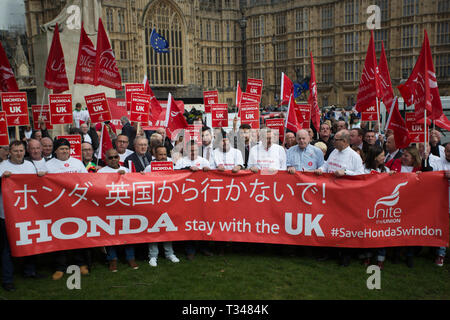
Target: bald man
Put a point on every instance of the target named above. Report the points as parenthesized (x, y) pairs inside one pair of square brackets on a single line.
[(303, 156)]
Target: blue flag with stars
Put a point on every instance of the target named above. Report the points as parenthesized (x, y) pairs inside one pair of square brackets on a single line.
[(158, 42)]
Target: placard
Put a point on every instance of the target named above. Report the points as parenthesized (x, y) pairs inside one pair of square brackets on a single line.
[(219, 115), (75, 145), (249, 114), (254, 86), (370, 114), (4, 136), (43, 112), (60, 108), (157, 166), (98, 108), (140, 108), (210, 98), (15, 104), (131, 88), (276, 124), (416, 130), (303, 112)]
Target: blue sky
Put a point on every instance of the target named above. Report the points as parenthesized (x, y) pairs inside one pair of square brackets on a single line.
[(12, 12)]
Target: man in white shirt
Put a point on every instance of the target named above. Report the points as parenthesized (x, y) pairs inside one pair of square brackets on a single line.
[(113, 166), (47, 148), (226, 158), (34, 149), (122, 143), (14, 165), (267, 155), (79, 114), (153, 251), (64, 163), (192, 161), (343, 160)]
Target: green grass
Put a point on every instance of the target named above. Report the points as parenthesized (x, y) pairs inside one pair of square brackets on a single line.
[(243, 276)]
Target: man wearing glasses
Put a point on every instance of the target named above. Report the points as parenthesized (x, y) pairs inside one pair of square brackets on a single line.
[(122, 143)]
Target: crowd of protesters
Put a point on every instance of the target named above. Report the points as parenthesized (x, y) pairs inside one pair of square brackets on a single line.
[(342, 146)]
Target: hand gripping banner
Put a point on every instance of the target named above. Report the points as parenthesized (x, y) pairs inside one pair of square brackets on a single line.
[(55, 212)]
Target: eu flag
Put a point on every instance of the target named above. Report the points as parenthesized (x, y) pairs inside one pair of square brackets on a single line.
[(158, 42)]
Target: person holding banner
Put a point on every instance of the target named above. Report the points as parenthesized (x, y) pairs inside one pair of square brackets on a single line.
[(267, 155), (303, 156), (34, 149), (342, 161), (194, 163), (113, 166), (64, 163), (226, 158), (160, 155), (121, 144), (16, 164)]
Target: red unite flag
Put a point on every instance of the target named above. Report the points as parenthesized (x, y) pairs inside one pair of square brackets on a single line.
[(287, 87), (396, 123), (291, 119), (155, 107), (312, 99), (55, 71), (106, 72), (175, 119), (7, 80), (85, 69), (105, 142), (421, 88), (238, 95), (368, 91)]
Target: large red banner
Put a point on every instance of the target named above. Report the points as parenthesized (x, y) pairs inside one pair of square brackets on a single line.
[(55, 212)]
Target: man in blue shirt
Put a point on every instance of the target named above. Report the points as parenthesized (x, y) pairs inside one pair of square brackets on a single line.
[(303, 156)]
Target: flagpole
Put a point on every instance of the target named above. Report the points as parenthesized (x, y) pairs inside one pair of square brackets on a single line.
[(425, 144), (101, 144), (378, 115)]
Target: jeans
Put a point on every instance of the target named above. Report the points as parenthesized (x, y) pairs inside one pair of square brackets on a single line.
[(7, 264), (63, 257), (111, 253), (153, 249)]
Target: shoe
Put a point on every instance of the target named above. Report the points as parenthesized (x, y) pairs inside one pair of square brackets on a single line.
[(84, 270), (190, 256), (153, 262), (173, 258), (439, 261), (410, 262), (8, 287), (132, 263), (380, 264), (57, 275), (113, 266)]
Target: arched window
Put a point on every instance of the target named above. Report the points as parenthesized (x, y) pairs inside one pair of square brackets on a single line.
[(164, 68)]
